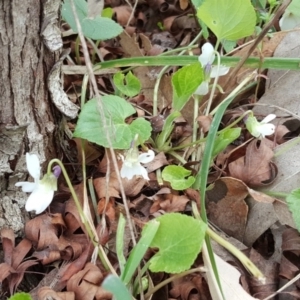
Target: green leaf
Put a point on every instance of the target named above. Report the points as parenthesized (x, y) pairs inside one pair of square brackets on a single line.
[(176, 175), (230, 20), (129, 85), (228, 45), (98, 28), (116, 110), (107, 12), (20, 296), (293, 202), (114, 285), (139, 250), (120, 242), (197, 3), (179, 240), (185, 82), (224, 138)]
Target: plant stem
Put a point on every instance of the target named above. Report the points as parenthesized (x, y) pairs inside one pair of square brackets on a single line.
[(84, 220), (276, 194), (247, 263)]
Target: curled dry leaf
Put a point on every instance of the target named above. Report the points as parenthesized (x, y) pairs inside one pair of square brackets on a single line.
[(270, 270), (132, 187), (108, 208), (47, 293), (14, 266), (289, 266), (169, 203), (71, 216), (255, 168), (227, 208), (281, 133), (47, 255), (42, 232), (69, 269), (190, 287), (86, 284), (122, 14)]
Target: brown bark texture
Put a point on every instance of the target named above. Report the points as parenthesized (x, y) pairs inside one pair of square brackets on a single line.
[(26, 112)]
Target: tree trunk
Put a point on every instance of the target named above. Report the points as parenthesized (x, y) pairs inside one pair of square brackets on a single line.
[(26, 112)]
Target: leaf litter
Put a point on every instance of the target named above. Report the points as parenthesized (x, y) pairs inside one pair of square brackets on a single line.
[(236, 202)]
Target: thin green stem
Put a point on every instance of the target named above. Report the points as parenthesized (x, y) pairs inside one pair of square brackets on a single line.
[(175, 60), (84, 220), (238, 254), (94, 200), (276, 194), (212, 93), (177, 156)]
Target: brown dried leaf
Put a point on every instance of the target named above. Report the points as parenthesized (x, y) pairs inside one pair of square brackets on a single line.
[(6, 270), (260, 197), (12, 270), (41, 231), (46, 292), (227, 208), (255, 168), (281, 133), (169, 203), (184, 4), (47, 255), (132, 187), (17, 277), (71, 216), (191, 287), (109, 208), (68, 270), (204, 123), (86, 284), (270, 270), (122, 14), (91, 152), (8, 244), (71, 246), (159, 161)]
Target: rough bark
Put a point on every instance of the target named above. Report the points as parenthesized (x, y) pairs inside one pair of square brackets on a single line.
[(26, 120)]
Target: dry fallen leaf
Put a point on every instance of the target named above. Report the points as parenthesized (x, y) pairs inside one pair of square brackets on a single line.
[(229, 277), (86, 284), (46, 292), (227, 208), (255, 168), (14, 266)]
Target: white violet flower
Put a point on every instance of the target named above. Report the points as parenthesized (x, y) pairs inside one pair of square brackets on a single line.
[(42, 191), (260, 129), (206, 59), (132, 163)]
